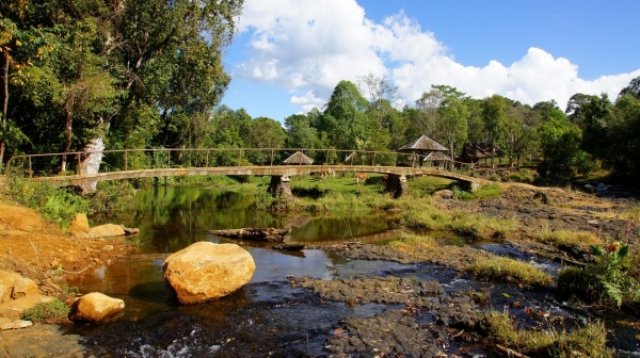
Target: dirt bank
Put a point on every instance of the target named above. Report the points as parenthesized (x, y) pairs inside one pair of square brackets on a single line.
[(46, 254)]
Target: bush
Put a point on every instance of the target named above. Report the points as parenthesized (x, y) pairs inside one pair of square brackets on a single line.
[(607, 281), (57, 205), (55, 311)]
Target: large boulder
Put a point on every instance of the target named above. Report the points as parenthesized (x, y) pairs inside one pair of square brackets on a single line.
[(106, 230), (205, 270), (14, 286), (95, 307)]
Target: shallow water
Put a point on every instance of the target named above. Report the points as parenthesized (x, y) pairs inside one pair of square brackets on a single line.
[(267, 317)]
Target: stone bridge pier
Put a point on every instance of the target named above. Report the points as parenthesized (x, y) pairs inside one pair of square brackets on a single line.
[(397, 185), (280, 185)]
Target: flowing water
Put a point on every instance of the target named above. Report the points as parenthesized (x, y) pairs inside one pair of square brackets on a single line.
[(267, 317)]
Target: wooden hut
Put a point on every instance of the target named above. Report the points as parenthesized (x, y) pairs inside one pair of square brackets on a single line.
[(475, 152), (423, 147), (298, 158)]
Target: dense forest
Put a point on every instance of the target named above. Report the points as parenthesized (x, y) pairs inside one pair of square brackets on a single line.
[(145, 74)]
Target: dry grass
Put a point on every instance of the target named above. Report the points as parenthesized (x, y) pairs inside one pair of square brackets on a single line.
[(588, 341), (568, 237)]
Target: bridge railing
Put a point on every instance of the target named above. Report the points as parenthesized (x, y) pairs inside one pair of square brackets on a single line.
[(50, 164)]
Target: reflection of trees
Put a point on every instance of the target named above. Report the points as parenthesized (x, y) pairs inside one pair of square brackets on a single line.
[(324, 228)]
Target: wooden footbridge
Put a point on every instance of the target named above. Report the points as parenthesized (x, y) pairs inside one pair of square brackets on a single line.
[(170, 162)]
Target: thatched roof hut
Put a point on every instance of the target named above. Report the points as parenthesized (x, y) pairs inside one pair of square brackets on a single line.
[(423, 145), (436, 157), (298, 158), (474, 152)]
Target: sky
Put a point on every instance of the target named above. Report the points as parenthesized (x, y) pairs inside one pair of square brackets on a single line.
[(288, 55)]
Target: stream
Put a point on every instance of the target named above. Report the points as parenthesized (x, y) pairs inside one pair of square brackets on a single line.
[(269, 316)]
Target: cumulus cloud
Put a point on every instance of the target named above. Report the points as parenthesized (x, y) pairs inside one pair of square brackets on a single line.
[(307, 47)]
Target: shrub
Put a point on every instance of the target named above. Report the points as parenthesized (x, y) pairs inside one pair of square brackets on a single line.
[(55, 311), (55, 204), (609, 280)]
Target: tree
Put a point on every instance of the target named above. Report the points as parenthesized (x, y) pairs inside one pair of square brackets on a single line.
[(452, 122), (560, 144), (344, 119), (624, 142), (633, 89), (300, 132)]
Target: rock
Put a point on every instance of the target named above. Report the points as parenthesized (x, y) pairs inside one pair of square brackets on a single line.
[(205, 270), (542, 197), (23, 287), (15, 324), (7, 281), (95, 307), (589, 188), (79, 225), (106, 230), (288, 247), (18, 218), (444, 194)]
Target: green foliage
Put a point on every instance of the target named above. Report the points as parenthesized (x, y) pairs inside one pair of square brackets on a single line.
[(561, 142), (55, 204), (607, 281), (52, 312)]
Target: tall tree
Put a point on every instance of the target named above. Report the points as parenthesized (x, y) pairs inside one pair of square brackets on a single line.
[(344, 119), (452, 122)]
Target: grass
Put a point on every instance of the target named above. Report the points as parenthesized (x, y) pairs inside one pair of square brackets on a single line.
[(55, 204), (588, 341), (632, 214), (55, 311), (427, 185), (424, 216), (507, 269), (485, 191), (568, 237)]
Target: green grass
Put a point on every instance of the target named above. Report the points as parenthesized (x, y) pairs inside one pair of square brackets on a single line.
[(632, 214), (507, 269), (485, 191), (588, 341), (55, 204), (427, 185), (55, 311)]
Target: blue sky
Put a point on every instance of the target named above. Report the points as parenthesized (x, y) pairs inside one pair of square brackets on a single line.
[(289, 54)]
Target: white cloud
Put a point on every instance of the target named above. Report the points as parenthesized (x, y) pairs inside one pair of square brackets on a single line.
[(308, 46)]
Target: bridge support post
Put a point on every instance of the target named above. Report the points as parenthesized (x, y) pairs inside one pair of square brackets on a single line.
[(279, 185), (397, 185), (470, 186)]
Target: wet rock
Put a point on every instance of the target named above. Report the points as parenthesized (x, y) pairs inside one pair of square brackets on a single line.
[(96, 307), (40, 341), (288, 247), (444, 194), (205, 270), (374, 290), (390, 333), (131, 231), (17, 324), (79, 225), (106, 230)]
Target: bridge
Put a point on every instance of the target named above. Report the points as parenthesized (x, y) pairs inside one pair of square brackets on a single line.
[(164, 162)]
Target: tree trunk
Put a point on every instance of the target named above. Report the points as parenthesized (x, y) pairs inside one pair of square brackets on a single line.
[(67, 140), (5, 103)]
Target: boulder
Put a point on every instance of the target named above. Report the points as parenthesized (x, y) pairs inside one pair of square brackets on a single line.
[(79, 225), (106, 230), (23, 287), (444, 194), (205, 270), (95, 307), (7, 281)]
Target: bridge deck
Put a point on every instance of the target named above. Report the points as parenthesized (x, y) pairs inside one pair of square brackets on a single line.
[(289, 170)]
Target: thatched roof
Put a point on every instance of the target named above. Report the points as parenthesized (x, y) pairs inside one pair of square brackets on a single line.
[(298, 158), (436, 156), (472, 152), (423, 144)]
